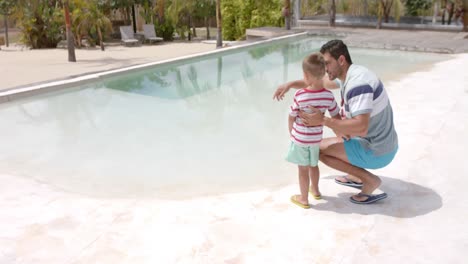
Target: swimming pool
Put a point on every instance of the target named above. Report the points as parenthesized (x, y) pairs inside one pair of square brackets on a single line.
[(202, 126)]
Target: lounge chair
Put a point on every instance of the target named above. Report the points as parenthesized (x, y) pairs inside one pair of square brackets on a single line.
[(150, 33), (128, 38)]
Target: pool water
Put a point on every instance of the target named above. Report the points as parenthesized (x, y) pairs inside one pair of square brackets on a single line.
[(201, 127)]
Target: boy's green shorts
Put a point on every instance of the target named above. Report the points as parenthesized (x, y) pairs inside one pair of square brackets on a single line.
[(303, 155)]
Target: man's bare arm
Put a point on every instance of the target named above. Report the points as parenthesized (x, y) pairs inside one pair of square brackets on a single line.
[(356, 126)]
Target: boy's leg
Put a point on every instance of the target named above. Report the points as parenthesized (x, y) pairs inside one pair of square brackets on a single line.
[(304, 184), (333, 154), (314, 175)]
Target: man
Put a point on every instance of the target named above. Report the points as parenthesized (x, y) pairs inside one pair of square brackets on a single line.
[(366, 137)]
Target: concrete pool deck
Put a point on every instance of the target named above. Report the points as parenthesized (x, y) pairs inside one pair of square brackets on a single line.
[(422, 221)]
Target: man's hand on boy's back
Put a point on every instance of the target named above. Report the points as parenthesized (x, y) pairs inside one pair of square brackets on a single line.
[(314, 118)]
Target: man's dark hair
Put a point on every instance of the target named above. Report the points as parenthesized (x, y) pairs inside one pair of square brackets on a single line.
[(336, 48)]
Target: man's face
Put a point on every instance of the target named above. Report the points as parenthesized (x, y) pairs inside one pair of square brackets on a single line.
[(332, 66)]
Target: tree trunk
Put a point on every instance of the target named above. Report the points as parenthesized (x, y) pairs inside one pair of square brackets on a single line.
[(161, 7), (465, 15), (194, 30), (436, 11), (219, 37), (190, 27), (7, 42), (207, 25), (70, 42), (287, 14), (134, 19), (380, 14), (101, 42), (387, 7), (450, 14), (332, 13), (366, 7)]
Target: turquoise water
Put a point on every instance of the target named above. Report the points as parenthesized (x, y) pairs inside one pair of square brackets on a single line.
[(204, 126)]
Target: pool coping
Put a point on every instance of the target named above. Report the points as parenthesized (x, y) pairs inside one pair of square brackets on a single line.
[(22, 92)]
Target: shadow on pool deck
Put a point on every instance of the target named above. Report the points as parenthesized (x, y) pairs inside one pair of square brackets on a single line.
[(405, 200)]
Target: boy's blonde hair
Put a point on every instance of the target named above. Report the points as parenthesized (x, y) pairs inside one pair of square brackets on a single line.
[(314, 65)]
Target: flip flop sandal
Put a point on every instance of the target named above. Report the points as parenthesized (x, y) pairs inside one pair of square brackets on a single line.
[(316, 197), (370, 198), (350, 183), (296, 202)]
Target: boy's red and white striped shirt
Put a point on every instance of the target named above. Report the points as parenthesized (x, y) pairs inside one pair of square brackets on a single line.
[(323, 100)]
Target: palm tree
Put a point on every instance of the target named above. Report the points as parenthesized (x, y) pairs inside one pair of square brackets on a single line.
[(219, 37), (180, 12), (6, 9), (161, 7), (42, 22), (204, 10), (287, 14), (387, 6), (94, 18), (465, 15), (332, 13), (70, 41)]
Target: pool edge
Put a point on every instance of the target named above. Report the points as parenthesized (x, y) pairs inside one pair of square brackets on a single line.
[(22, 92)]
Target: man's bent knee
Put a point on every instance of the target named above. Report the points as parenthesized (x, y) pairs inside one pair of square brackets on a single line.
[(336, 150), (327, 142)]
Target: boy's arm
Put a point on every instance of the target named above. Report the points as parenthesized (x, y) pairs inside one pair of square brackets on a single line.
[(284, 88), (293, 112), (291, 120)]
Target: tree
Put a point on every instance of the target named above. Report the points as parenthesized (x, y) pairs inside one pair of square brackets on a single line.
[(205, 9), (41, 22), (94, 19), (161, 9), (465, 15), (219, 37), (6, 9), (127, 8), (332, 13), (387, 6), (287, 14), (384, 8), (70, 41), (180, 12)]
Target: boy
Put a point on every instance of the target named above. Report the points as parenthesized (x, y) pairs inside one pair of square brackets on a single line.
[(304, 148)]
